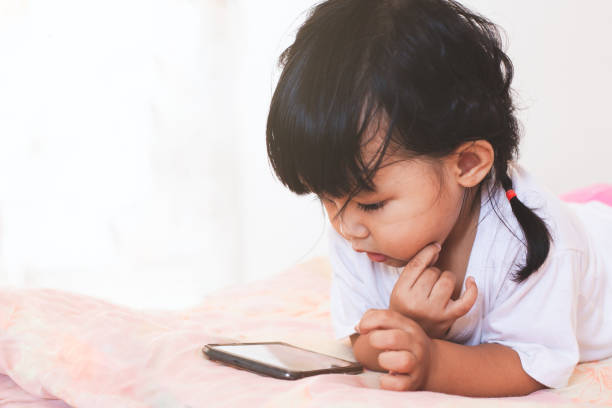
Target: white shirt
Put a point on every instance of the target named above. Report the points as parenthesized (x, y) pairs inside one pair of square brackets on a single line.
[(553, 320)]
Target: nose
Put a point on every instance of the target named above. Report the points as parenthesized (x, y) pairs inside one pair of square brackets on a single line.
[(348, 223), (351, 227)]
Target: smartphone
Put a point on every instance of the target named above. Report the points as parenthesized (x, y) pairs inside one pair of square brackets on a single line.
[(279, 360)]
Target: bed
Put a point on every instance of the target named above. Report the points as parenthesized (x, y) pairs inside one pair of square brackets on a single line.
[(61, 349)]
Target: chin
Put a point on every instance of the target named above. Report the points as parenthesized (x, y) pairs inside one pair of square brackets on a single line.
[(396, 263)]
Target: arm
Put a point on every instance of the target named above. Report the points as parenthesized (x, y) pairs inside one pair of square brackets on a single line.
[(485, 370), (398, 344)]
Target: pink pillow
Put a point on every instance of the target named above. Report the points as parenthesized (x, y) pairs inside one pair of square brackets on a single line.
[(597, 192)]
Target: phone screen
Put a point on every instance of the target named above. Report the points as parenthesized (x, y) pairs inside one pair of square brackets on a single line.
[(284, 356)]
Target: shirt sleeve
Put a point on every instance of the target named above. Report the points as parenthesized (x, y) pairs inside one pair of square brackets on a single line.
[(537, 318), (349, 298)]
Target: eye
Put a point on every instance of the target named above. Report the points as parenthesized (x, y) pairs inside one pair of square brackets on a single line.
[(371, 207)]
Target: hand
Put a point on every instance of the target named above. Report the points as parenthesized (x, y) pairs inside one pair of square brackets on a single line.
[(423, 293), (407, 350)]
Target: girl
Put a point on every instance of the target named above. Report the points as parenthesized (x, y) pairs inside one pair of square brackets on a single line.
[(397, 114)]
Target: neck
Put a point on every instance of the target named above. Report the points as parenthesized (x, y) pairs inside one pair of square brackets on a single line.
[(467, 220), (457, 247)]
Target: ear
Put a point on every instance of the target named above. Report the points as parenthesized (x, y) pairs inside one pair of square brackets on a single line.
[(471, 162)]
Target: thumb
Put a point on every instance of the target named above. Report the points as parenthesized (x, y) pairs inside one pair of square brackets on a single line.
[(461, 306)]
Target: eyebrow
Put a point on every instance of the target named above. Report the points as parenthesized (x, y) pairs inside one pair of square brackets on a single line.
[(374, 190)]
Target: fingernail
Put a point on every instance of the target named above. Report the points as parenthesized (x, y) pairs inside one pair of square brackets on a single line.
[(438, 245), (357, 328)]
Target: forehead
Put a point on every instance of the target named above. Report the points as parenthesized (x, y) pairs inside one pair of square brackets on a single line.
[(372, 146), (372, 142), (398, 166)]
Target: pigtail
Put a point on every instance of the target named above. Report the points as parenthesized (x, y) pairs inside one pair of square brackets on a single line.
[(536, 232)]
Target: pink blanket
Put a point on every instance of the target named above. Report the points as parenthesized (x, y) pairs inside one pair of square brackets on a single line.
[(59, 349)]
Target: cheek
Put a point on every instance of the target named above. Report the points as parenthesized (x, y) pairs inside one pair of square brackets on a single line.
[(405, 236), (408, 242)]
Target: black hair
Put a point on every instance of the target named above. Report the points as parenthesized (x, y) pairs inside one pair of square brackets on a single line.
[(432, 68)]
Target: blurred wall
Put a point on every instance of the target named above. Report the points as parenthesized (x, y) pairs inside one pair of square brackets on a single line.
[(132, 137)]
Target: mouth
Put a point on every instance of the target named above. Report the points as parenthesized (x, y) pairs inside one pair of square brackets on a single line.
[(376, 257)]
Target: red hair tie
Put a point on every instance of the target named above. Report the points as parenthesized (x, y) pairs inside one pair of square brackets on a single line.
[(510, 194)]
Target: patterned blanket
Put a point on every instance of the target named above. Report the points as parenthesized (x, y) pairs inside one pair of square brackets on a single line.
[(60, 349)]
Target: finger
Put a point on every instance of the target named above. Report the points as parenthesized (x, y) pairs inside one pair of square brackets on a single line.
[(397, 382), (370, 314), (459, 307), (424, 258), (426, 281), (400, 361), (443, 289), (381, 319), (393, 339)]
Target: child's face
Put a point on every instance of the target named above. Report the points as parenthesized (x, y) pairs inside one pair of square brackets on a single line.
[(415, 208)]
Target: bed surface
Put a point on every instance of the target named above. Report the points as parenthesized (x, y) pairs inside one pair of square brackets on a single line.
[(59, 349)]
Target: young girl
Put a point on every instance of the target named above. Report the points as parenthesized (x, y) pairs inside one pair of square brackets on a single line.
[(454, 271)]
